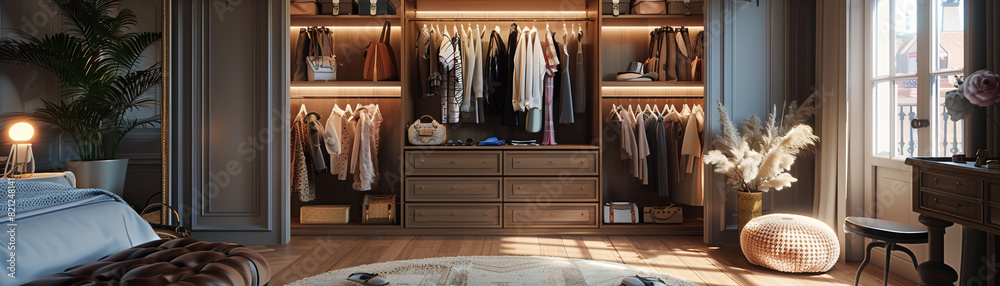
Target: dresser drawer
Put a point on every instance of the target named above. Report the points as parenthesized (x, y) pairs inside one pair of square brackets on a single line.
[(994, 216), (550, 215), (453, 215), (994, 192), (453, 189), (952, 184), (457, 163), (551, 163), (953, 206), (557, 189)]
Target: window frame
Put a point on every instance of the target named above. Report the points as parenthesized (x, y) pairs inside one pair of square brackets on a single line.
[(927, 71)]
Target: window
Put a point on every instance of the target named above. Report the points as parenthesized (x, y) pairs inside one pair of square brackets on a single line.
[(909, 79)]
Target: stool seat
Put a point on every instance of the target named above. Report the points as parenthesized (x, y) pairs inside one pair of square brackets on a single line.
[(888, 231), (885, 234)]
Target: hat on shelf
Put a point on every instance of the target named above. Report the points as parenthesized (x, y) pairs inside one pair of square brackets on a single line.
[(634, 73)]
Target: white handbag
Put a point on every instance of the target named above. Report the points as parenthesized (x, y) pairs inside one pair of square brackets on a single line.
[(426, 133), (322, 68), (621, 212)]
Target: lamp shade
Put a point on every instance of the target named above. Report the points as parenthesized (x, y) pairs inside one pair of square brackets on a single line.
[(21, 131)]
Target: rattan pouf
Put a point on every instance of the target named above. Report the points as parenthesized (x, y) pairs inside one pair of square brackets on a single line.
[(790, 243)]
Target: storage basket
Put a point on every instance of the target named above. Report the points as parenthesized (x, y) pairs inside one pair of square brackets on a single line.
[(325, 214)]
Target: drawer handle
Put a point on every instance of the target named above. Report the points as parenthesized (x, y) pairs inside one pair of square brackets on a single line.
[(421, 188), (452, 213), (486, 214), (520, 213), (936, 181), (941, 202), (421, 213), (550, 162), (453, 188), (421, 161), (486, 161), (453, 162), (958, 185)]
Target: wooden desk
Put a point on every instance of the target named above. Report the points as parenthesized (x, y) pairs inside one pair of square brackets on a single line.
[(946, 193)]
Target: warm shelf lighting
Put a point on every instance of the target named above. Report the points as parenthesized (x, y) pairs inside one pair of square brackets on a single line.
[(516, 14), (652, 91), (293, 28), (650, 27)]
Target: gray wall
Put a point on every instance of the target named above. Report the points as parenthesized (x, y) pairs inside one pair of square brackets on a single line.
[(22, 88)]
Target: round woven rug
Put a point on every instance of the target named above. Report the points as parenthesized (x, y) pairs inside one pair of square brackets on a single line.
[(493, 270)]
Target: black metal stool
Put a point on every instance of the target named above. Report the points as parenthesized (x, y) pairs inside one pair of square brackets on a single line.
[(888, 235)]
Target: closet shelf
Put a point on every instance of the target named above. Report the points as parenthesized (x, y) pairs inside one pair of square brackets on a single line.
[(346, 84), (652, 20), (497, 19), (652, 84), (343, 20), (507, 147), (354, 224)]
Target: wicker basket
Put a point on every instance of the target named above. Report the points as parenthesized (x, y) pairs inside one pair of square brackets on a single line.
[(329, 214)]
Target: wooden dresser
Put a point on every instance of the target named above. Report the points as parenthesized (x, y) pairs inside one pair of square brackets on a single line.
[(945, 193), (501, 188)]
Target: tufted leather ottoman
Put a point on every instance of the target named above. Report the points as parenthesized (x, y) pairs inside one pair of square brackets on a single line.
[(182, 261), (790, 243)]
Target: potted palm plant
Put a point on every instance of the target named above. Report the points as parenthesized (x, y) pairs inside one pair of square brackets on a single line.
[(101, 83), (758, 159)]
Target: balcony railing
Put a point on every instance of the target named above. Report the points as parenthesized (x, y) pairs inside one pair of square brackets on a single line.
[(949, 137)]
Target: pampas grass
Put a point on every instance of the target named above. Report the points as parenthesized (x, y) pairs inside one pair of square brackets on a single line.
[(759, 158)]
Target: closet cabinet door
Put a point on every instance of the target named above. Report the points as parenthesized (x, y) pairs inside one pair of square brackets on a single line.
[(229, 119)]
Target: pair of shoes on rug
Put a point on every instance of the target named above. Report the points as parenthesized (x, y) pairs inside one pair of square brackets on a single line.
[(368, 279), (642, 281)]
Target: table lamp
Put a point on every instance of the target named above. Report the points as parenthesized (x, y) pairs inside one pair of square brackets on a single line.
[(21, 162)]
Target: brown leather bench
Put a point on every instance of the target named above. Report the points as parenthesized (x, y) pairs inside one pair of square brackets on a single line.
[(182, 261)]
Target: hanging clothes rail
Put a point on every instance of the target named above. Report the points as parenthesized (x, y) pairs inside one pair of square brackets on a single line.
[(470, 19), (343, 96)]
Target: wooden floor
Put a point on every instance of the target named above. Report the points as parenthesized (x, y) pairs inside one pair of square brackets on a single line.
[(684, 257)]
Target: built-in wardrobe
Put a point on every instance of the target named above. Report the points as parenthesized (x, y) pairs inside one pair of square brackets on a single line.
[(545, 189)]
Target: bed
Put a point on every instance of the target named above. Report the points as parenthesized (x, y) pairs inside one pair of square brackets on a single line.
[(52, 231)]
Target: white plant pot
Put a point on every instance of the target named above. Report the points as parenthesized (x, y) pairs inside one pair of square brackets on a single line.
[(104, 174)]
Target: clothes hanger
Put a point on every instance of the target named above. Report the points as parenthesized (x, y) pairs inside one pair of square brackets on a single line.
[(302, 109), (614, 112), (378, 113)]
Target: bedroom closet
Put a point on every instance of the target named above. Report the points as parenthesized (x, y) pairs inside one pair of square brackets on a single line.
[(557, 187)]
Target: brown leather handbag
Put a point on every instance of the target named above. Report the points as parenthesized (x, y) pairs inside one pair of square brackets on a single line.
[(165, 231), (380, 60)]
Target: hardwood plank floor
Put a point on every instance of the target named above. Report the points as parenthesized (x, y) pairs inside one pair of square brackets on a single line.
[(684, 257)]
